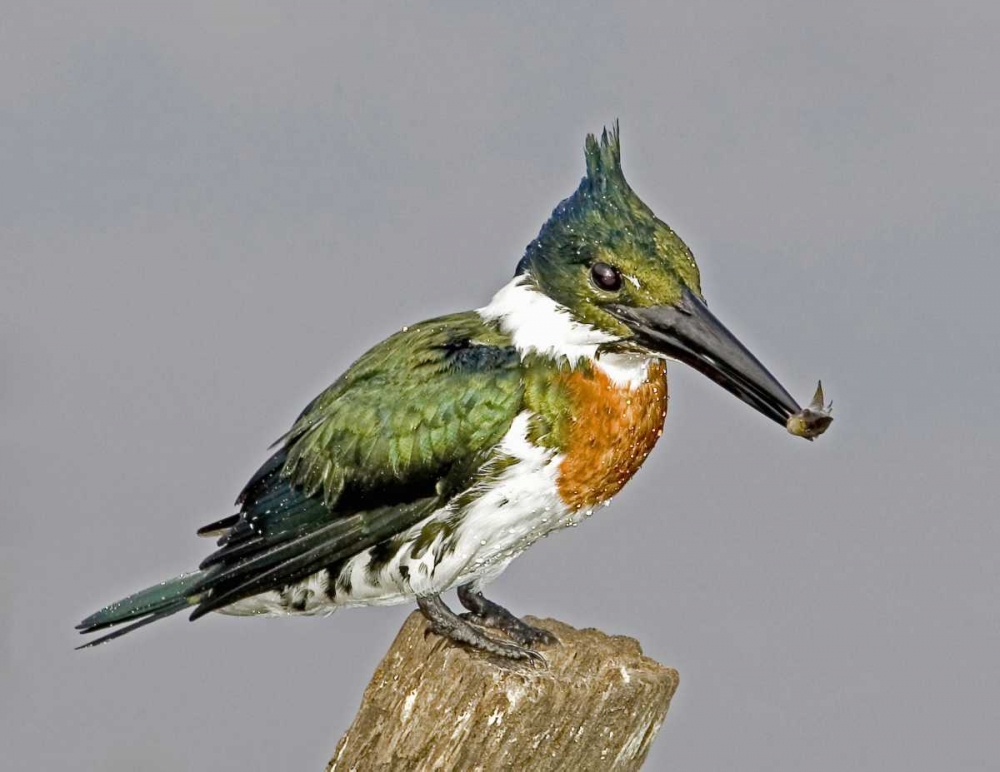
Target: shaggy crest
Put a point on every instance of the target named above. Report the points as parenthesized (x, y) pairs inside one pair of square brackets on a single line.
[(604, 161)]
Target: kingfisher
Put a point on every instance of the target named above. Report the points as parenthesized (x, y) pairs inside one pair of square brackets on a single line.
[(449, 448)]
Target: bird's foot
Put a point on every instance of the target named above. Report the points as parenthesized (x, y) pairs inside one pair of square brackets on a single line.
[(447, 624), (486, 613), (518, 630)]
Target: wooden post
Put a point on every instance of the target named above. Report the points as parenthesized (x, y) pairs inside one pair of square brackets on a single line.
[(432, 705)]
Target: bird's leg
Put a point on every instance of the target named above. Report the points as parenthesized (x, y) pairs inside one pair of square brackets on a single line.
[(448, 624), (489, 614)]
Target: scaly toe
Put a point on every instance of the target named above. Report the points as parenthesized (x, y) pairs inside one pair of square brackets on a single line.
[(513, 651), (520, 632), (529, 635)]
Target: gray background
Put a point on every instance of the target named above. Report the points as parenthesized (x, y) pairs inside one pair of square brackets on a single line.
[(208, 210)]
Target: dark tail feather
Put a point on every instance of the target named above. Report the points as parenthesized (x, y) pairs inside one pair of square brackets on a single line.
[(143, 607), (219, 527), (172, 608)]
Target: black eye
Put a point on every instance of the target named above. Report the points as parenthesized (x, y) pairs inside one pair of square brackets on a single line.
[(606, 277)]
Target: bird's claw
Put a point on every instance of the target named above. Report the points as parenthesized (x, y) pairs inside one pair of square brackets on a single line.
[(488, 645), (516, 629)]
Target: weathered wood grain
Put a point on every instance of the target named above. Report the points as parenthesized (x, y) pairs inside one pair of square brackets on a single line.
[(432, 705)]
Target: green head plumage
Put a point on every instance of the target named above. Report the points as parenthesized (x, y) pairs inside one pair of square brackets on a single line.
[(605, 224), (613, 265)]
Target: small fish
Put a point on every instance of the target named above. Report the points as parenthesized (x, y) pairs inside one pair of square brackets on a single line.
[(812, 421)]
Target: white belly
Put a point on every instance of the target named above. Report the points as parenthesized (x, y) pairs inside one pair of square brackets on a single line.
[(520, 506)]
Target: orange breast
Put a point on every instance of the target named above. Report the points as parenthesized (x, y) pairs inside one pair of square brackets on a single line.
[(612, 431)]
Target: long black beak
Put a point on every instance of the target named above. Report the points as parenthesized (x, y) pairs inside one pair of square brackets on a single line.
[(690, 333)]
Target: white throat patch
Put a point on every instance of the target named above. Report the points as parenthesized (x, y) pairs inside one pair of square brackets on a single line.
[(538, 324)]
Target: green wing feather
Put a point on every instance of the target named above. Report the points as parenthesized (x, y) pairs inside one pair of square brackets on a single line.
[(424, 398), (400, 433)]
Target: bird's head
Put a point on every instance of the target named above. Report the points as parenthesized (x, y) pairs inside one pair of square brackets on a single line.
[(615, 267)]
